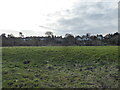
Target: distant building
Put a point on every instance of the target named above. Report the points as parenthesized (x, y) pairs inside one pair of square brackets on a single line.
[(107, 36), (85, 38), (78, 38), (100, 37), (58, 39)]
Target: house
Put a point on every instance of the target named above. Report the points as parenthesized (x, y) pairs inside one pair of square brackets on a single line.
[(85, 38), (42, 39), (78, 38), (100, 37), (58, 39), (107, 36)]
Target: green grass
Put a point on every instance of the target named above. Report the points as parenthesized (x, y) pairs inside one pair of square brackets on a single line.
[(60, 67)]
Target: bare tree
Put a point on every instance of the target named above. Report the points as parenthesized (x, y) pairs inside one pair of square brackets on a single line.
[(49, 33)]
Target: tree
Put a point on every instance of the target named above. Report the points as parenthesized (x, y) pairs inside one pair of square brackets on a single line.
[(49, 33), (20, 34), (3, 35), (11, 36), (69, 39), (116, 33), (88, 35), (68, 35)]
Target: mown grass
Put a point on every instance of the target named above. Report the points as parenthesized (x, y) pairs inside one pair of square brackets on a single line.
[(60, 67)]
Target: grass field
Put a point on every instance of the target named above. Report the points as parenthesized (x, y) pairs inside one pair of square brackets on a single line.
[(60, 67)]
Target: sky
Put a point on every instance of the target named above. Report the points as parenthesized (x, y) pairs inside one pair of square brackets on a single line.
[(77, 17)]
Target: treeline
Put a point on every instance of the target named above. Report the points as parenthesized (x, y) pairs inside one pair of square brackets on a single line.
[(68, 40)]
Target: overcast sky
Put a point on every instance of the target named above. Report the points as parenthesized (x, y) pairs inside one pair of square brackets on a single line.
[(78, 17)]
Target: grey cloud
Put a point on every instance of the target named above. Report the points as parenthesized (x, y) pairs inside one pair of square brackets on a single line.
[(94, 18)]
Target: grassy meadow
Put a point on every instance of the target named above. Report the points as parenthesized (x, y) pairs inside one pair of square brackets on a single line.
[(60, 67)]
